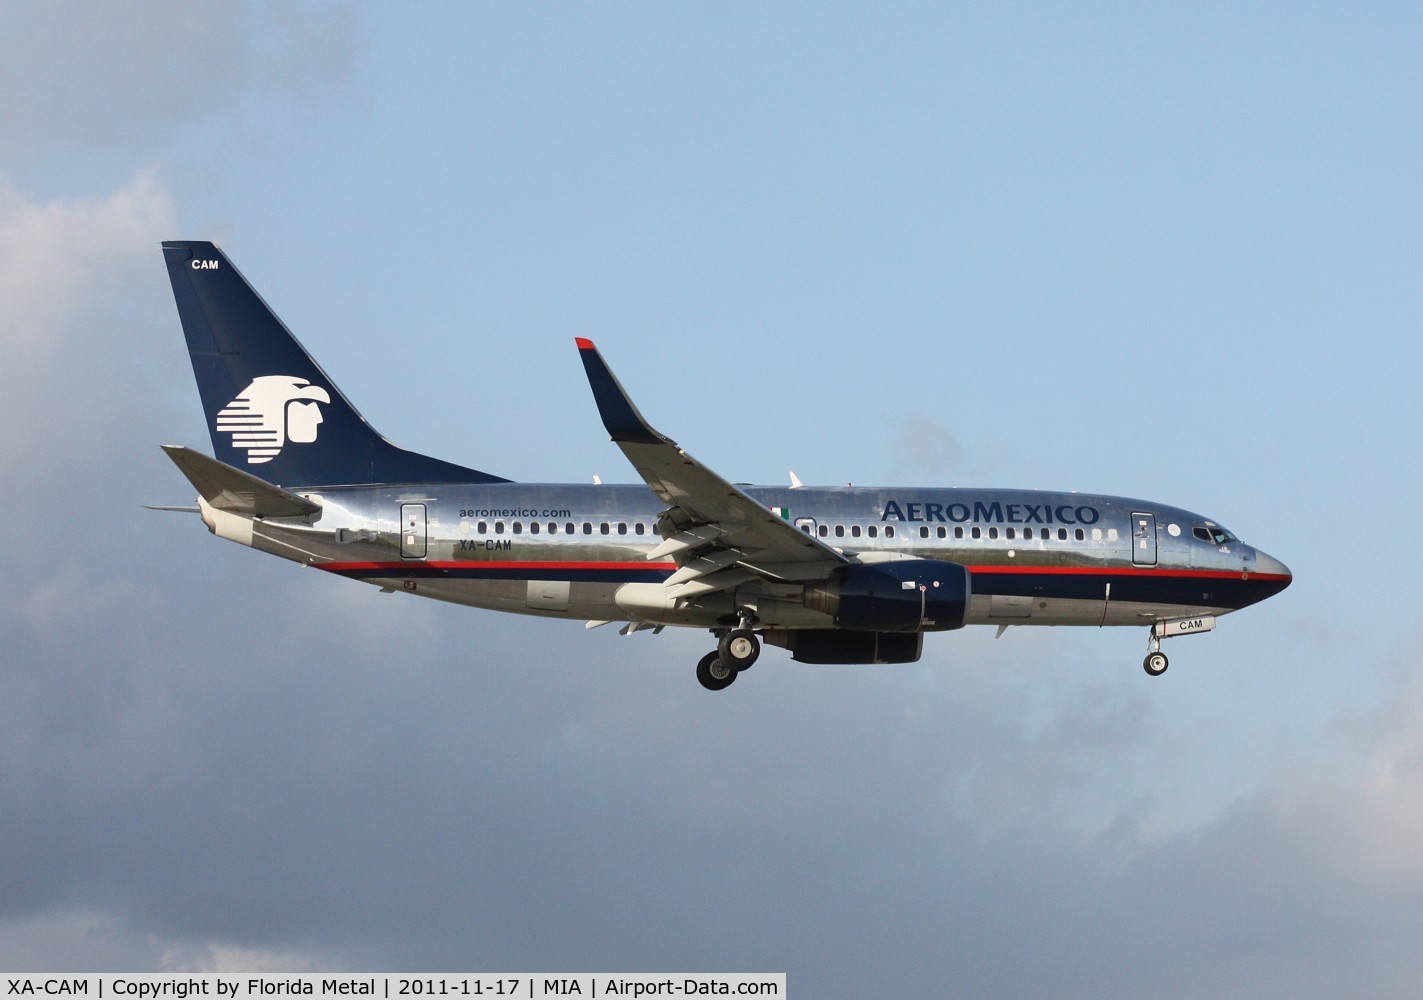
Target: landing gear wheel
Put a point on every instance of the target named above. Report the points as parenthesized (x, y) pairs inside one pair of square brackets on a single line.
[(739, 648), (713, 674), (1155, 664)]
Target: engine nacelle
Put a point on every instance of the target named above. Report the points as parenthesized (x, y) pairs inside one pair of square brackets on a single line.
[(833, 645), (909, 595)]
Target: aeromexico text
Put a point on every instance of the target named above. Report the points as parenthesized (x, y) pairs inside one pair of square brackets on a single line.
[(995, 512)]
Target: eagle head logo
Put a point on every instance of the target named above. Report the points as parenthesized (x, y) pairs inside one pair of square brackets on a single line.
[(271, 411)]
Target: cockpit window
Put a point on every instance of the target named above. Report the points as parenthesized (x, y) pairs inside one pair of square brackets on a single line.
[(1214, 534)]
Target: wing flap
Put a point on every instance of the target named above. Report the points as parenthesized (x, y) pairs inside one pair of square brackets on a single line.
[(685, 540)]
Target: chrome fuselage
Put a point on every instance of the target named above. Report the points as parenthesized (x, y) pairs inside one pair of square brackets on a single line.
[(580, 552)]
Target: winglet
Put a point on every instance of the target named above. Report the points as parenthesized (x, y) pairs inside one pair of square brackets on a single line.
[(620, 417)]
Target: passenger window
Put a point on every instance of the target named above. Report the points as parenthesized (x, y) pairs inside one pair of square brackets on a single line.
[(1062, 534), (977, 531), (992, 532), (872, 531), (824, 531), (839, 531), (499, 527), (622, 528), (1096, 534), (1111, 534), (943, 532), (587, 527), (924, 531), (1011, 533), (518, 527), (568, 528), (603, 527), (483, 528), (639, 528), (889, 531), (1081, 534), (958, 531), (855, 531), (533, 528)]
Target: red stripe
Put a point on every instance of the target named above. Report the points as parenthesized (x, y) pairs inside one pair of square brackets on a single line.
[(584, 344), (347, 567)]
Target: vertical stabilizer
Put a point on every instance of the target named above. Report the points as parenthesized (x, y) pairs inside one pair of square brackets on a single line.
[(270, 408)]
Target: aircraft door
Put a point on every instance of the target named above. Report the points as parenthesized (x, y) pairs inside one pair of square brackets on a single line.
[(1143, 543), (412, 531), (806, 524)]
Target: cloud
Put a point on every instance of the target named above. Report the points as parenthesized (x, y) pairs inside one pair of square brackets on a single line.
[(923, 449), (88, 79), (87, 364)]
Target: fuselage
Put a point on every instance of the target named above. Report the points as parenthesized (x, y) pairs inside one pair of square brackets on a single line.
[(1035, 558)]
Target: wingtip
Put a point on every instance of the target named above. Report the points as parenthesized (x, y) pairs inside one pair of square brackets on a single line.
[(584, 344)]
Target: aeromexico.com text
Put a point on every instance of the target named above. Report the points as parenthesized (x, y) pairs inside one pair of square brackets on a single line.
[(1002, 513)]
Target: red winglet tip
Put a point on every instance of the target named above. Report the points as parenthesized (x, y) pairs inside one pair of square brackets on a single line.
[(584, 344)]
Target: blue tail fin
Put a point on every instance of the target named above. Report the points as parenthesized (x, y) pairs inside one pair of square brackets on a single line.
[(270, 408)]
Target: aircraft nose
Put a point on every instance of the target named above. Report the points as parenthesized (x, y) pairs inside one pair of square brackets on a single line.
[(1270, 566)]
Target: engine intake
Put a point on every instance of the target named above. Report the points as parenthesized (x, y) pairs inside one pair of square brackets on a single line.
[(910, 595)]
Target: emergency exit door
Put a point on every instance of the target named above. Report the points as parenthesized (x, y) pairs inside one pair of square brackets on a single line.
[(412, 530), (1143, 541)]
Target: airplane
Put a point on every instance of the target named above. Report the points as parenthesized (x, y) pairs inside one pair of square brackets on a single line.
[(830, 574)]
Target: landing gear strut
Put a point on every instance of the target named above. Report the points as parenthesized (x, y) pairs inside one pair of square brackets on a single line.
[(1155, 662)]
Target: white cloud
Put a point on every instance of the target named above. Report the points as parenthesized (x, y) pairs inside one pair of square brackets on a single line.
[(91, 78), (91, 364)]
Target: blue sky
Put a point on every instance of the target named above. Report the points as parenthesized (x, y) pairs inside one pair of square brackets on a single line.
[(1167, 253)]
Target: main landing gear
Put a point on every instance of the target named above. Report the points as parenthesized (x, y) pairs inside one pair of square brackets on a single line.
[(735, 651)]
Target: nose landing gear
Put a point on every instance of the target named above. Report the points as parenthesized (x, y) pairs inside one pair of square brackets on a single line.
[(1155, 663)]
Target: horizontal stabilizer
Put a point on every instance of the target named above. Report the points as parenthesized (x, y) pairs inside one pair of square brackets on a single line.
[(229, 489)]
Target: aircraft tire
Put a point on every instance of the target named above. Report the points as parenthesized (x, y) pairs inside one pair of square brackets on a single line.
[(713, 675), (1155, 664), (739, 648)]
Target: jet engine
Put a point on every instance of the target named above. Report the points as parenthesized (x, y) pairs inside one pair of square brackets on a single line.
[(834, 645), (909, 595)]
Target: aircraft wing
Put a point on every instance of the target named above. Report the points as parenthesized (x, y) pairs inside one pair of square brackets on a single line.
[(723, 537)]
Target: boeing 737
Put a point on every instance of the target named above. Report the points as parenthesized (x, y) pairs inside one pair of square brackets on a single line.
[(833, 575)]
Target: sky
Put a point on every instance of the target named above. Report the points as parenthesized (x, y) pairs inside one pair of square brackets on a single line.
[(1161, 252)]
